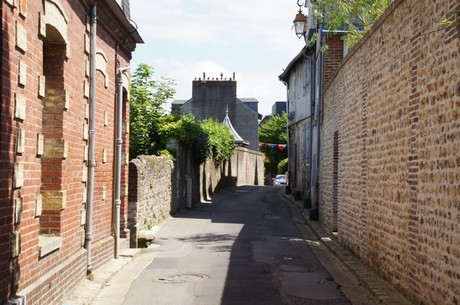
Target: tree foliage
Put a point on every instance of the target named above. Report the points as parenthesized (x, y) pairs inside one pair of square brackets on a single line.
[(189, 133), (147, 100), (221, 139), (273, 131), (355, 16)]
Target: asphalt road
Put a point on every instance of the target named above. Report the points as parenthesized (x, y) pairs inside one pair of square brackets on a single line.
[(243, 248)]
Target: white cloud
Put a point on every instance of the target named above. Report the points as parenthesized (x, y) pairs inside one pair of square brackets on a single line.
[(185, 38)]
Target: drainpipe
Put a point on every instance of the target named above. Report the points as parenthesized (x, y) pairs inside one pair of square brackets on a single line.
[(119, 141), (92, 132), (318, 111), (312, 110)]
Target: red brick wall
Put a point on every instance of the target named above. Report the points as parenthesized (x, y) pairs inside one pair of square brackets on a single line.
[(333, 55), (67, 122)]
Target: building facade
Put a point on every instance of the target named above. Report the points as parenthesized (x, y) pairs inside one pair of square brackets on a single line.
[(60, 84), (211, 98)]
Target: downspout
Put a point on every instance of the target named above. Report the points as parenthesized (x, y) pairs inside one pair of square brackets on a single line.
[(119, 141), (91, 148), (312, 109), (320, 97)]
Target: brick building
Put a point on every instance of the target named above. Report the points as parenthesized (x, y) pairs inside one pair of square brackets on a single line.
[(60, 61)]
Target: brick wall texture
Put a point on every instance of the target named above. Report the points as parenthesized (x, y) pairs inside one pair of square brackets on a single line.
[(390, 157), (44, 143)]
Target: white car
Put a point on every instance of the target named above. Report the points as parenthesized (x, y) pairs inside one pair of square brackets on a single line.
[(279, 180)]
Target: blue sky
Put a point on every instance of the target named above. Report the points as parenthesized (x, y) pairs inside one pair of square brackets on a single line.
[(253, 38)]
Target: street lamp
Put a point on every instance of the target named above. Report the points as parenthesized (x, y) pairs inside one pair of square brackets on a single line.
[(300, 21)]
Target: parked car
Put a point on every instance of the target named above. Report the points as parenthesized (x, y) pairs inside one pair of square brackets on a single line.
[(279, 180)]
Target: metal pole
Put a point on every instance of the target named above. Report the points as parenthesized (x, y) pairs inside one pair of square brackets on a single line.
[(119, 141), (92, 132)]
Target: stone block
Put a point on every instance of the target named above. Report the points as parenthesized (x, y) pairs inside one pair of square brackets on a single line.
[(48, 244), (84, 175), (41, 24), (40, 144), (104, 155), (20, 141), (106, 119), (16, 275), (84, 194), (15, 244), (20, 106), (41, 85), (54, 200), (87, 68), (87, 43), (85, 88), (55, 148), (10, 2), (83, 216), (38, 204), (17, 210), (85, 131), (18, 180), (85, 153), (124, 190), (86, 111), (21, 37), (22, 73), (104, 193)]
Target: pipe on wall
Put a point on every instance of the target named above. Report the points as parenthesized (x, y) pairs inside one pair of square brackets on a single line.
[(91, 144), (118, 156)]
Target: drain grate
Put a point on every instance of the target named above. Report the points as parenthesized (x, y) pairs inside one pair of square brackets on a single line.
[(181, 278)]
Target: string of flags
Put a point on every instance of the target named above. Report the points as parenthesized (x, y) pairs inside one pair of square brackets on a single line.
[(273, 146)]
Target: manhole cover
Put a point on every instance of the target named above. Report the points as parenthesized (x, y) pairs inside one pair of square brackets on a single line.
[(181, 278)]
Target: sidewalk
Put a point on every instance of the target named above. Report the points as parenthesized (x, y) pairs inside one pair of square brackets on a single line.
[(375, 284)]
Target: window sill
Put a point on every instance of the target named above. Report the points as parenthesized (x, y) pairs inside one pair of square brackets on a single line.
[(48, 244)]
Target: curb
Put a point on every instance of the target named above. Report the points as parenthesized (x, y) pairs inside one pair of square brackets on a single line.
[(87, 291), (383, 291)]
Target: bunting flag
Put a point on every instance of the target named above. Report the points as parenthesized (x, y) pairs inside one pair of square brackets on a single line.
[(273, 146)]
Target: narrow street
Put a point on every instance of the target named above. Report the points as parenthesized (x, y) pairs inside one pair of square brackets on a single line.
[(244, 248)]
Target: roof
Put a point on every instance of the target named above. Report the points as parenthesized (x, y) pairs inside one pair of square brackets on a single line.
[(304, 52), (238, 139)]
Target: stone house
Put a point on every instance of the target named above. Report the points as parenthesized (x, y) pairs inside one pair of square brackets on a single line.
[(304, 78), (211, 98), (62, 77), (299, 83)]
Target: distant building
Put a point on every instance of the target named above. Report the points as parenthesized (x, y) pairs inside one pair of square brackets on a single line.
[(212, 97), (279, 107)]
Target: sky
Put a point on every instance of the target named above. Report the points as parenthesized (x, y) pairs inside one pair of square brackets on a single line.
[(252, 38)]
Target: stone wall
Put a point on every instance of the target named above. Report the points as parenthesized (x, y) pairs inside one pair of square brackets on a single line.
[(151, 197), (159, 187), (390, 158)]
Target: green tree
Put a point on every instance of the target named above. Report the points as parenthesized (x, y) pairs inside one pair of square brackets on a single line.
[(147, 101), (189, 133), (221, 139), (356, 16), (274, 131)]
